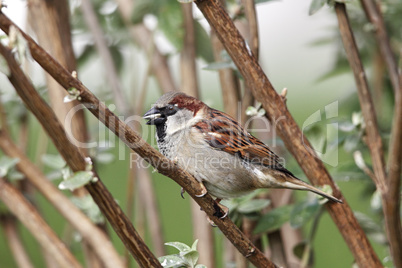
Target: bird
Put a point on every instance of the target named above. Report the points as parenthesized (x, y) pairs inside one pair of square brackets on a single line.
[(226, 160)]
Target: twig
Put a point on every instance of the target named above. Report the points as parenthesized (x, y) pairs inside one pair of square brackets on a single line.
[(136, 143), (105, 201), (31, 219), (290, 133), (14, 241), (88, 230)]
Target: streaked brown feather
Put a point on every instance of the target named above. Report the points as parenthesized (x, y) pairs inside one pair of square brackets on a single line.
[(223, 133)]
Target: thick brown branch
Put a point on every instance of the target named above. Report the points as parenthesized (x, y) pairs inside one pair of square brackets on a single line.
[(290, 133), (135, 142), (120, 223), (30, 217), (88, 230)]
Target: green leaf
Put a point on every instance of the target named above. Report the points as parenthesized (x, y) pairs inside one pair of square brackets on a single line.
[(54, 161), (89, 207), (171, 261), (180, 246), (78, 180), (315, 6), (7, 163), (274, 219), (254, 205), (190, 257), (303, 212)]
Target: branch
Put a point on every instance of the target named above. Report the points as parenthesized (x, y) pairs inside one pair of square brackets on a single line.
[(290, 133), (95, 237), (76, 161), (31, 219), (136, 143)]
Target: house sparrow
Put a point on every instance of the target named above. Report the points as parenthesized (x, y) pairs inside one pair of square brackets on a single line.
[(217, 150)]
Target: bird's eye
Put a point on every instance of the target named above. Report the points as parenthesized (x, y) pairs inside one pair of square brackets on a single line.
[(170, 107)]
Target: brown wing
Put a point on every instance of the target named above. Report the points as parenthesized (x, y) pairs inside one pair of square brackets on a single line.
[(223, 133)]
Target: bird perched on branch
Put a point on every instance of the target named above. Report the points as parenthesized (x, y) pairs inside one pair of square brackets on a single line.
[(217, 150)]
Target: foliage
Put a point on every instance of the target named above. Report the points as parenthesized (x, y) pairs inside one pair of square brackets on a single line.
[(187, 256)]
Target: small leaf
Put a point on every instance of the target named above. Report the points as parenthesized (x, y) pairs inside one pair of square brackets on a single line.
[(315, 6), (274, 219), (89, 207), (303, 212), (191, 257), (171, 261), (7, 163), (78, 180), (254, 205), (180, 246), (194, 245), (54, 161)]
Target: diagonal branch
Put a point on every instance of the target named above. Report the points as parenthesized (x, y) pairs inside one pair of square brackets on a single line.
[(76, 161), (290, 133), (136, 143)]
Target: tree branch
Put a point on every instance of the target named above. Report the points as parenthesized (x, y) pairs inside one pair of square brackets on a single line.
[(290, 133), (95, 237), (76, 161), (136, 143), (30, 217)]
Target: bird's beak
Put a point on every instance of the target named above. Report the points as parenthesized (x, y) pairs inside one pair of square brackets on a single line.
[(152, 115)]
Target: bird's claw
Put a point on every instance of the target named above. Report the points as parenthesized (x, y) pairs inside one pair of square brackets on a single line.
[(218, 207), (204, 190), (182, 192)]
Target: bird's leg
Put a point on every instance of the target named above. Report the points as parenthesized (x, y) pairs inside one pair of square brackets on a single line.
[(204, 190), (218, 213), (218, 207)]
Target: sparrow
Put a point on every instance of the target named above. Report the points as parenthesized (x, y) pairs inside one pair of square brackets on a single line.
[(213, 147)]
